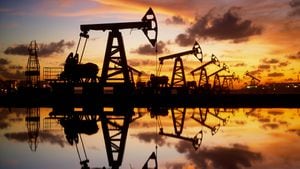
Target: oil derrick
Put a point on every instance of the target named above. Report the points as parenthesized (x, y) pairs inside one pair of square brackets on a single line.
[(115, 123), (178, 117), (32, 72), (254, 81), (203, 80), (115, 50), (33, 126), (178, 75)]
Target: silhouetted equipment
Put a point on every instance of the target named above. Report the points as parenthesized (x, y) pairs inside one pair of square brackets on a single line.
[(74, 125), (201, 118), (178, 75), (131, 72), (115, 123), (254, 81), (52, 73), (216, 114), (32, 72), (217, 83), (203, 80), (178, 117), (76, 72), (33, 126), (158, 81), (152, 160), (227, 83), (115, 51)]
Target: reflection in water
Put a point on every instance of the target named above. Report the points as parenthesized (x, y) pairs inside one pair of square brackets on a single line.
[(178, 118), (248, 139), (201, 118), (33, 126)]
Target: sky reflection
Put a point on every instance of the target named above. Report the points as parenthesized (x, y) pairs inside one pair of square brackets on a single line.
[(252, 138)]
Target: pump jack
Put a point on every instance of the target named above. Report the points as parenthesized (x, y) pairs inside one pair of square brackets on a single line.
[(178, 117), (178, 76), (203, 80), (217, 83), (254, 81), (201, 118), (227, 83), (115, 51)]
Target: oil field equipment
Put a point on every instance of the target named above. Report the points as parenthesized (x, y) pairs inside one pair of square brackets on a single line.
[(113, 73), (178, 75)]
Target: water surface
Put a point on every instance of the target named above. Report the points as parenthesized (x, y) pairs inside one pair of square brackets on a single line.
[(231, 139)]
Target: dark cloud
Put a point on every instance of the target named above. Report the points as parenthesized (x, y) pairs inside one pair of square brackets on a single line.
[(3, 118), (295, 5), (235, 157), (283, 64), (229, 26), (9, 71), (177, 20), (7, 74), (44, 50), (240, 122), (16, 67), (184, 40), (43, 137), (295, 56), (275, 112), (264, 66), (151, 136), (264, 120), (270, 126), (149, 50), (174, 165), (242, 64), (289, 79), (296, 131), (3, 62), (275, 74), (270, 61)]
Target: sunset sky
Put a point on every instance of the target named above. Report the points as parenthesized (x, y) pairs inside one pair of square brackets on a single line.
[(262, 37)]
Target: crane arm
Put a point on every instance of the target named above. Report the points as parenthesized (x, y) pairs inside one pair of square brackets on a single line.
[(195, 50), (148, 24)]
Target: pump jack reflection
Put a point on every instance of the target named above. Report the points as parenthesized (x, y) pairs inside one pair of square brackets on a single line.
[(115, 122), (178, 118), (202, 117), (33, 126)]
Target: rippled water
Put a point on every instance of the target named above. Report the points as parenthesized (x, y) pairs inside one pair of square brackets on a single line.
[(231, 139)]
